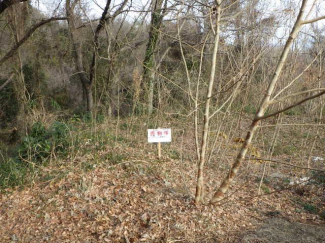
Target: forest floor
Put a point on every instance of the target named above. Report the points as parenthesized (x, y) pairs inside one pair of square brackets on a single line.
[(119, 191)]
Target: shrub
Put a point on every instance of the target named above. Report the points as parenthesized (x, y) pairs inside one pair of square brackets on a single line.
[(41, 142)]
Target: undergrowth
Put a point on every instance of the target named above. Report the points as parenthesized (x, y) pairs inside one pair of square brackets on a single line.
[(41, 143), (79, 136)]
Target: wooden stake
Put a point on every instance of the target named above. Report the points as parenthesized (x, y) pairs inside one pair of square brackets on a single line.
[(159, 150)]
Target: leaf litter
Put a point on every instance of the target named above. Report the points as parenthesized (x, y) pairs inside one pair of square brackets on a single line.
[(139, 199)]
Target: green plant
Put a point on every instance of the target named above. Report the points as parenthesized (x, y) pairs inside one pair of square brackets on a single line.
[(12, 173), (265, 189), (55, 105), (294, 111), (310, 208), (87, 117), (100, 118), (124, 126), (114, 158), (87, 166), (40, 143), (75, 118), (8, 104), (318, 177), (289, 149), (286, 181), (250, 109), (174, 154), (266, 181)]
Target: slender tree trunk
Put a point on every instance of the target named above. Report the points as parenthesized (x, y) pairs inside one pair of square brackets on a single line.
[(100, 26), (20, 93), (149, 60), (219, 195), (37, 86), (17, 15), (77, 55), (200, 176)]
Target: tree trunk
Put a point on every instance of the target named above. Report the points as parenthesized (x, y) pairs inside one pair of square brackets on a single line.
[(37, 86), (77, 55), (219, 195), (17, 15), (200, 176), (149, 60)]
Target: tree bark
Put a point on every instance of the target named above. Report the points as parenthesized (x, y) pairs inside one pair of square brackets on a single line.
[(96, 42), (149, 60)]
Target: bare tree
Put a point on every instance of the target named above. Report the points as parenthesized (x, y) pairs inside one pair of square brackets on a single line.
[(87, 81), (200, 177), (267, 100)]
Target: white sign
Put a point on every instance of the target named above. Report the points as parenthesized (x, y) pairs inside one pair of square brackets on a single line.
[(161, 135)]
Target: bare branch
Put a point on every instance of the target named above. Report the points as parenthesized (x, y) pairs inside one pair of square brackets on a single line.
[(310, 21), (25, 38), (7, 3), (119, 10), (290, 107), (295, 94), (296, 78), (7, 82), (88, 23)]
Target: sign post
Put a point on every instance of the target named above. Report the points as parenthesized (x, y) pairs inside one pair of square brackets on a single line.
[(160, 135), (159, 150)]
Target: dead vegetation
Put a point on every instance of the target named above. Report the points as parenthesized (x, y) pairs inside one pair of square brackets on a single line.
[(118, 191)]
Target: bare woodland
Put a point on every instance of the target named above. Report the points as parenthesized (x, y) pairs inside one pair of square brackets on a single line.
[(241, 83)]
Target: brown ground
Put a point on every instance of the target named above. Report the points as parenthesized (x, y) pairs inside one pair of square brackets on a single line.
[(136, 198), (133, 204)]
